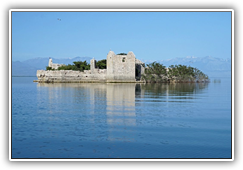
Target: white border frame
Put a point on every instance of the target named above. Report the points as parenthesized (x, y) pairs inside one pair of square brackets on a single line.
[(123, 10)]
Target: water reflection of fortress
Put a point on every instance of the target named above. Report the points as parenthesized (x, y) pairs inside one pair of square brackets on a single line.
[(121, 102), (119, 98), (116, 101)]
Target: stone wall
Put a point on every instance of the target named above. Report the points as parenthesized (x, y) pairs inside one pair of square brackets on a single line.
[(71, 76)]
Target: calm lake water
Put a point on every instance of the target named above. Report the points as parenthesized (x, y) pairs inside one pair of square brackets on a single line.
[(121, 120)]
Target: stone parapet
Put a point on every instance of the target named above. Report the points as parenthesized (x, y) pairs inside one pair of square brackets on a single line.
[(69, 75)]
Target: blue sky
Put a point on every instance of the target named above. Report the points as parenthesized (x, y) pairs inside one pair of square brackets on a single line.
[(150, 35)]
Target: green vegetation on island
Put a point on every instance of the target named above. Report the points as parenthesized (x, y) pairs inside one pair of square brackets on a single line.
[(49, 68), (122, 54), (80, 66), (77, 66), (101, 64), (156, 73)]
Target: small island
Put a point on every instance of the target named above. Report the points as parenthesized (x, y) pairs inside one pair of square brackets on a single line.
[(119, 68)]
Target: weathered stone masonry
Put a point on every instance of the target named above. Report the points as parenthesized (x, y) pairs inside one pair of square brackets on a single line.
[(54, 66), (120, 68)]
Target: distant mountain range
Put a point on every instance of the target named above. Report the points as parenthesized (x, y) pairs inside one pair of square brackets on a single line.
[(29, 67), (213, 67)]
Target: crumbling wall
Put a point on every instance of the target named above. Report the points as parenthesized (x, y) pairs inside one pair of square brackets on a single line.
[(120, 67), (54, 66), (70, 75)]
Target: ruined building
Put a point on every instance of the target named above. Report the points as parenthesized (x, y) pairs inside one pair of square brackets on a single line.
[(52, 65), (120, 68)]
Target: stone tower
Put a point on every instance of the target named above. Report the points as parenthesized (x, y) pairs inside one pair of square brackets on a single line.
[(109, 65), (120, 67), (50, 62), (92, 65)]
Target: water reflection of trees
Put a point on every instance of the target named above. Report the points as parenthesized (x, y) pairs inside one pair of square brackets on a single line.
[(177, 89)]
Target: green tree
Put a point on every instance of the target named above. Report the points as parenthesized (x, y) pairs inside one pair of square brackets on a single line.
[(155, 72), (49, 68), (200, 75), (77, 65), (82, 65), (181, 73), (101, 64), (122, 54), (67, 67)]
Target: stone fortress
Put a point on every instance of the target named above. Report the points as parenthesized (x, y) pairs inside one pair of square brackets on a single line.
[(119, 68)]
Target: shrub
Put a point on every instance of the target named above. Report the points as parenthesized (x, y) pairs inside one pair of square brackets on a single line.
[(78, 66), (156, 72), (101, 64), (49, 68), (122, 54)]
